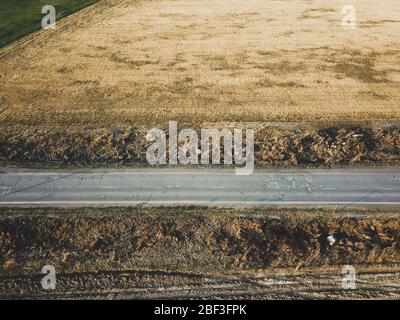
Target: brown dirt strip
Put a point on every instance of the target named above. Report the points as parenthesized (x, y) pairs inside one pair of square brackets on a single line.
[(176, 285)]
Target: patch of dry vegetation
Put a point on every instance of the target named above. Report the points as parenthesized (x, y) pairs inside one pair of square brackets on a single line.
[(132, 63), (327, 146), (374, 23), (274, 146), (193, 239), (360, 66)]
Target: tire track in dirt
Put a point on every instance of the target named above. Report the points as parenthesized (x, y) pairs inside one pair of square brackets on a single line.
[(173, 285)]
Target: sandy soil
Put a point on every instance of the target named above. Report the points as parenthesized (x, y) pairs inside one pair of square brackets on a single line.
[(130, 62)]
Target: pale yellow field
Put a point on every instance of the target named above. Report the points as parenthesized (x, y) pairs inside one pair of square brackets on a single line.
[(124, 62)]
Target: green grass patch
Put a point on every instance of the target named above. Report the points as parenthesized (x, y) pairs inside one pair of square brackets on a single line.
[(21, 17)]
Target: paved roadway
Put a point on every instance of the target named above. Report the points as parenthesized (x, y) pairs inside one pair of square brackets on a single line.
[(201, 187)]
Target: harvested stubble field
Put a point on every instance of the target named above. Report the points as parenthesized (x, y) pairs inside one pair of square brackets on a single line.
[(130, 63), (133, 62), (257, 253)]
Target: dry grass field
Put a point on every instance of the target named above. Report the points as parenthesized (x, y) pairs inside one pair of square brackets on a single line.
[(133, 62)]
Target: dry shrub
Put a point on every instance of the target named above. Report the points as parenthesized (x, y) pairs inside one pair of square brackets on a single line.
[(193, 240), (327, 146)]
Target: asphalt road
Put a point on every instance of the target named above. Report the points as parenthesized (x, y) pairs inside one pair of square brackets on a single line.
[(201, 187)]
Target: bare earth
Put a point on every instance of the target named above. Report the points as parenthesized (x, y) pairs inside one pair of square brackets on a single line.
[(175, 285), (130, 62)]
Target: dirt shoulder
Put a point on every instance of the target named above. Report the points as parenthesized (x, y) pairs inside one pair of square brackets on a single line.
[(276, 145)]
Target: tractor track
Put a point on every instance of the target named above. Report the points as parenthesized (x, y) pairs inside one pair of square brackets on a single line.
[(172, 285)]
